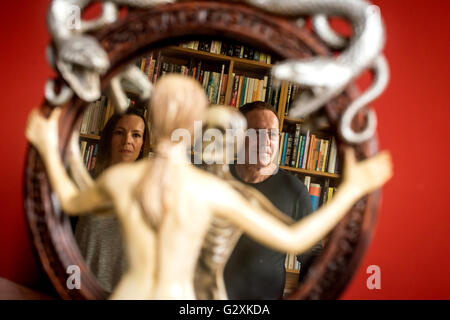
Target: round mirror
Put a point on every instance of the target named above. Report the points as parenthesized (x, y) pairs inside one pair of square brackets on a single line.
[(229, 49)]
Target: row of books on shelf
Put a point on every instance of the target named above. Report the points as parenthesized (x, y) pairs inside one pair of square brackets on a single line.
[(89, 153), (307, 151), (94, 117), (244, 89), (214, 83), (229, 49), (247, 89), (320, 194)]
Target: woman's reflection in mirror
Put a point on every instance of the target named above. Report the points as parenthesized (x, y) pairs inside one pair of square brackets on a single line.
[(125, 138)]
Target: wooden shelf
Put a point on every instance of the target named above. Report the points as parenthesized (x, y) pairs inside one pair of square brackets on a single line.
[(293, 271), (313, 173), (214, 56), (180, 52), (89, 136), (293, 120)]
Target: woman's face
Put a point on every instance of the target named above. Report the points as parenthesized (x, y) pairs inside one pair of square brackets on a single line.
[(127, 139)]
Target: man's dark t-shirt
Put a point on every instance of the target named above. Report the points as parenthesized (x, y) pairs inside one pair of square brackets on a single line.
[(255, 271)]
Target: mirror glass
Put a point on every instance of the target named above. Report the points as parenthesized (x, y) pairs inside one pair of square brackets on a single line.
[(301, 157)]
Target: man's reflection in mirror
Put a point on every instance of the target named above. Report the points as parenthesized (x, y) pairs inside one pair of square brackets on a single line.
[(255, 271), (125, 138)]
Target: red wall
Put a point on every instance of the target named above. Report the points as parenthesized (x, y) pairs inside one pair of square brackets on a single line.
[(411, 242)]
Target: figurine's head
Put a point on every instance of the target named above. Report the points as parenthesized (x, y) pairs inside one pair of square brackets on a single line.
[(176, 102)]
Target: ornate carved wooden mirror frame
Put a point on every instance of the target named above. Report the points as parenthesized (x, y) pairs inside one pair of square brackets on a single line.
[(143, 30)]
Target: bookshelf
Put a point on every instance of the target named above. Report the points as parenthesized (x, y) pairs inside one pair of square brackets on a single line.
[(228, 72), (88, 136)]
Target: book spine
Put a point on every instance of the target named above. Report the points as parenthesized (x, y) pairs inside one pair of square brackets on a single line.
[(289, 150), (327, 156), (157, 66), (319, 155), (269, 91), (330, 194), (237, 50), (83, 148), (224, 48), (316, 155), (280, 149), (94, 157), (324, 155), (256, 89), (244, 92), (262, 57), (288, 100), (264, 90), (91, 152), (249, 92), (230, 51), (333, 155), (306, 149), (219, 89), (314, 193), (103, 110), (307, 182), (251, 53), (302, 152), (256, 56), (142, 64), (310, 152), (223, 89), (324, 195), (299, 150), (205, 80), (295, 145), (283, 156), (276, 98), (238, 99), (235, 90)]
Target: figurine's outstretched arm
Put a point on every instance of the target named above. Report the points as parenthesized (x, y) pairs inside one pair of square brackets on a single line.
[(359, 179), (43, 135), (77, 169)]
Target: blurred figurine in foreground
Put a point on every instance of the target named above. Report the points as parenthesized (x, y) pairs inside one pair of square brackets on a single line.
[(165, 204)]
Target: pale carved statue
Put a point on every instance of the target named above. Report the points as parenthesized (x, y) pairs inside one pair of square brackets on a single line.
[(165, 205)]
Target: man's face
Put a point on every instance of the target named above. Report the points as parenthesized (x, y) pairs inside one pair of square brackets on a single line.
[(265, 123)]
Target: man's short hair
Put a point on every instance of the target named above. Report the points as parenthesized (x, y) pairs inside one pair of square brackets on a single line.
[(256, 105)]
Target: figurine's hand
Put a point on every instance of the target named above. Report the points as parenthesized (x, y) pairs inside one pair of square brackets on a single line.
[(368, 175), (42, 133)]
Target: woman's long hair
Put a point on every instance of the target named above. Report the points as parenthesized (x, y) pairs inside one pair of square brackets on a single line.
[(104, 147)]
